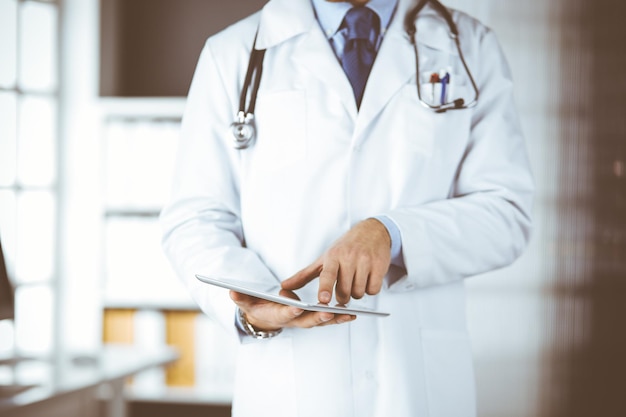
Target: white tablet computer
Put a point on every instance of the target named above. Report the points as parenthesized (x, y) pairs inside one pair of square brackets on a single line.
[(271, 293)]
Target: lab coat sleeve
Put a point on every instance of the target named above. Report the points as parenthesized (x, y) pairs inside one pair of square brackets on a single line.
[(201, 225), (486, 222)]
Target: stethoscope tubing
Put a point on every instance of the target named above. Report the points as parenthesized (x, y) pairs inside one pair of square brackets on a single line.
[(255, 69), (244, 129)]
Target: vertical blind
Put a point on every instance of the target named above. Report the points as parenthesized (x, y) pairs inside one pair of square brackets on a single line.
[(548, 332)]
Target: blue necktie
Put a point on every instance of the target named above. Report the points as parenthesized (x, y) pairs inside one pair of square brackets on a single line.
[(363, 27)]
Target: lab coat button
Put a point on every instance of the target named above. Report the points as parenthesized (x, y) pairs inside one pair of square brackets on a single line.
[(369, 375), (409, 286)]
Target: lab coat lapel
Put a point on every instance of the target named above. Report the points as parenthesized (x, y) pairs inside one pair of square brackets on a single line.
[(315, 55), (282, 20), (393, 67)]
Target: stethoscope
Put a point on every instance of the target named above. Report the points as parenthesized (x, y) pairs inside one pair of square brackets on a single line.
[(244, 128), (411, 30)]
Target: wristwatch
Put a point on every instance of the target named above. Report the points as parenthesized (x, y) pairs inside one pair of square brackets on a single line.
[(251, 331)]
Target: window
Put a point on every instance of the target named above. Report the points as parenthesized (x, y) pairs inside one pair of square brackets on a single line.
[(139, 156), (29, 51)]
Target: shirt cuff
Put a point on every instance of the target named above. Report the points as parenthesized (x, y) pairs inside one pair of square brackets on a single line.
[(238, 323), (396, 239)]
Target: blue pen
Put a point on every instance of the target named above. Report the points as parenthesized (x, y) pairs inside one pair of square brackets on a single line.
[(444, 82)]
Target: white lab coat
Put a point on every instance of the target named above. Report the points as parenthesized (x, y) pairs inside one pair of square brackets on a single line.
[(457, 185)]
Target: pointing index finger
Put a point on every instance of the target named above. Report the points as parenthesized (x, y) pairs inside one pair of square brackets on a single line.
[(328, 277)]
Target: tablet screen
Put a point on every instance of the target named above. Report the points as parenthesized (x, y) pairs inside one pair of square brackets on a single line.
[(272, 292)]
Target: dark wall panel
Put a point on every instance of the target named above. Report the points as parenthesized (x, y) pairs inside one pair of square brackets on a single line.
[(597, 369), (150, 47)]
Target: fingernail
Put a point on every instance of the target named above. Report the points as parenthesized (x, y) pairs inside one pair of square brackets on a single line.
[(296, 311), (325, 297), (327, 318)]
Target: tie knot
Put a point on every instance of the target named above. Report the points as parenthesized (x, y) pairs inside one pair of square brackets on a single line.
[(362, 23)]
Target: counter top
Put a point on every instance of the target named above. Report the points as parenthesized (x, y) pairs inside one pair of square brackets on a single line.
[(43, 379)]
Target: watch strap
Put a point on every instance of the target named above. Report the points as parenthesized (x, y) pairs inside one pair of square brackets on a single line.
[(250, 330)]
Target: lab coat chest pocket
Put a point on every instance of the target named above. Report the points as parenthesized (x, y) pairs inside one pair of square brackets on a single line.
[(449, 373), (419, 125), (442, 76), (428, 131), (281, 129)]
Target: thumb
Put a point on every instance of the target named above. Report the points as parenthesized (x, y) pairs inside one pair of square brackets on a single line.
[(303, 277)]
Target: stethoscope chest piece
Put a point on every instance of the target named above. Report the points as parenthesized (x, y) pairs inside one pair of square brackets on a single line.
[(243, 130)]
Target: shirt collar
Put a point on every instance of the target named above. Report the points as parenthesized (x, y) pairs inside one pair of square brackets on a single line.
[(331, 14)]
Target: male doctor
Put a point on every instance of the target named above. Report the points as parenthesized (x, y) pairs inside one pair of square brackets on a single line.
[(352, 190)]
